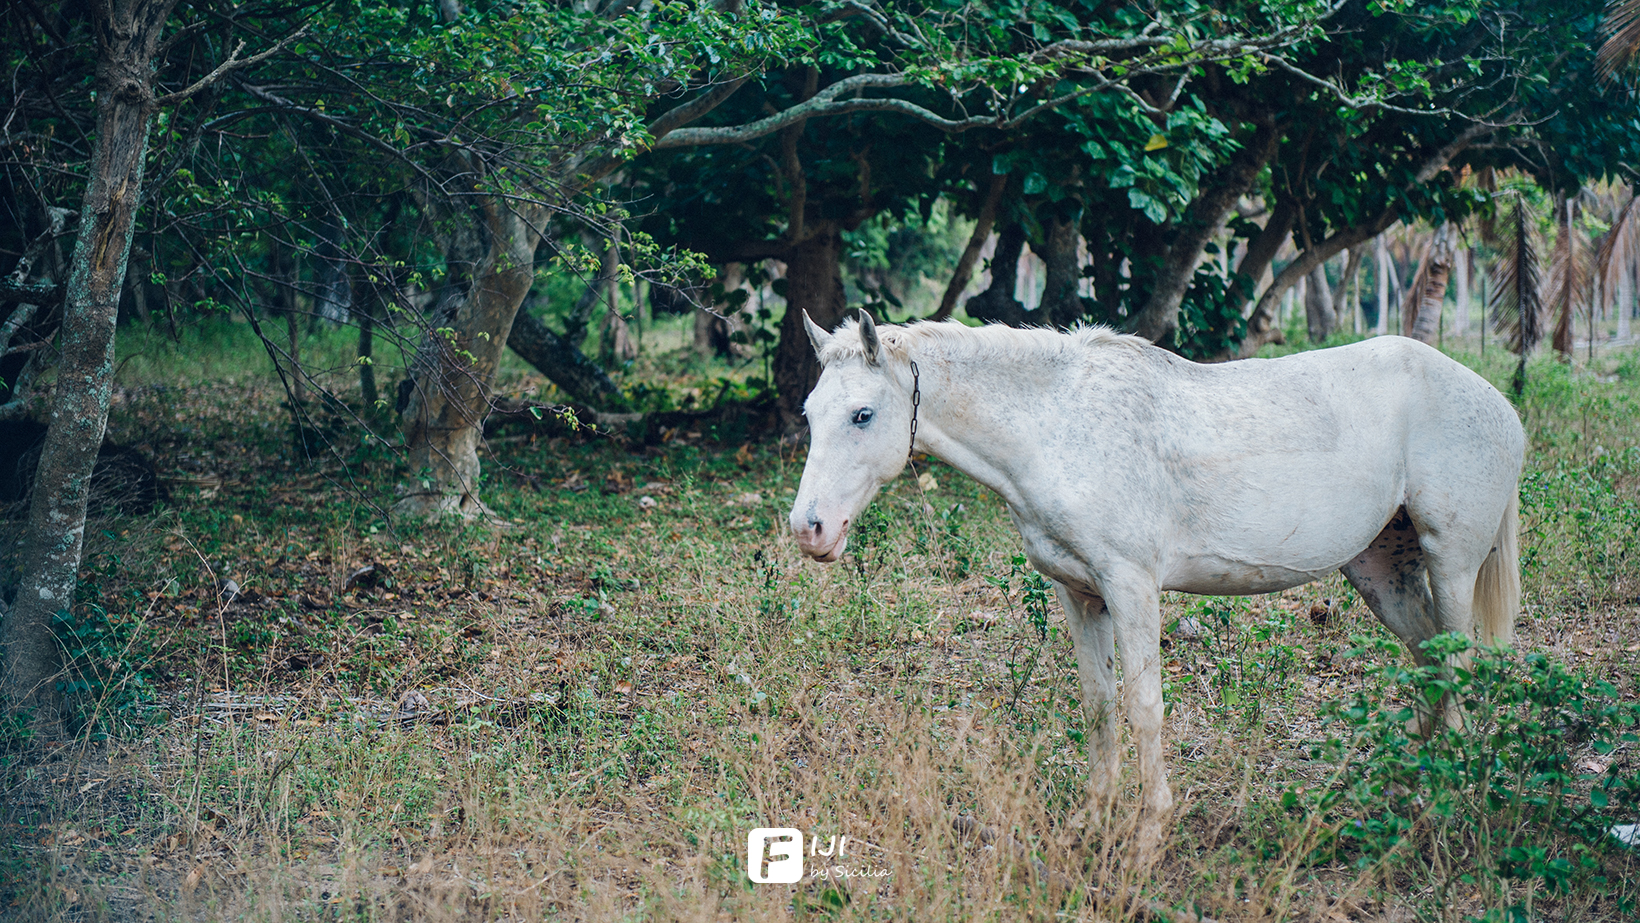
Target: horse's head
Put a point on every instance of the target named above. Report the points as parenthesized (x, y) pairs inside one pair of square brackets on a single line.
[(859, 434)]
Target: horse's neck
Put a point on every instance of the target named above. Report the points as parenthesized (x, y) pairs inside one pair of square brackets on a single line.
[(988, 419)]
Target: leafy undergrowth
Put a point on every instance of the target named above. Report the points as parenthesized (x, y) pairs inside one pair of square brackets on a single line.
[(295, 709)]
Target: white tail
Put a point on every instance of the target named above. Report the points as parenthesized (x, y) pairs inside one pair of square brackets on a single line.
[(1497, 586)]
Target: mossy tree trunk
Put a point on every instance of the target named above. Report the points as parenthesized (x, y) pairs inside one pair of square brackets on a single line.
[(814, 284), (491, 258), (128, 34), (1061, 303)]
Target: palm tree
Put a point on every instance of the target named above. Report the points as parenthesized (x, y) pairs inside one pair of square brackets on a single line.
[(1621, 51), (1517, 306), (1615, 263)]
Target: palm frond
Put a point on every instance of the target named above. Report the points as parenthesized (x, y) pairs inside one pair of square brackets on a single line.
[(1489, 222), (1421, 311), (1622, 46), (1517, 304), (1617, 252), (1566, 284)]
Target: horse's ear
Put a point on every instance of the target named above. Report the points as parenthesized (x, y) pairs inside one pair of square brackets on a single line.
[(868, 338), (817, 336)]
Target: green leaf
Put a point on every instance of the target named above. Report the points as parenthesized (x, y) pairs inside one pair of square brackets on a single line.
[(1149, 204)]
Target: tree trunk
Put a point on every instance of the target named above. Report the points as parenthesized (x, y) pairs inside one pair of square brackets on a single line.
[(1460, 276), (1255, 263), (711, 334), (367, 348), (1341, 291), (714, 334), (128, 33), (492, 262), (334, 299), (1319, 316), (1421, 312), (1625, 302), (1306, 262), (286, 278), (567, 367), (1061, 303), (814, 283), (997, 303), (1564, 278), (615, 343), (976, 242), (1204, 220), (1381, 251), (580, 317)]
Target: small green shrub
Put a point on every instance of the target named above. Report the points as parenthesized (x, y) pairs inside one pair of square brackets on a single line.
[(1032, 600), (1526, 791), (1251, 667), (104, 659)]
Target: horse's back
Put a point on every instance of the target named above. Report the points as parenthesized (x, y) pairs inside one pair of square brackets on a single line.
[(1281, 469)]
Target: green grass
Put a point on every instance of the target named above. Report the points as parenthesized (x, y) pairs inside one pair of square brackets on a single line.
[(620, 691)]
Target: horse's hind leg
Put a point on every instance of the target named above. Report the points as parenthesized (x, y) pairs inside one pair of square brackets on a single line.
[(1093, 635), (1419, 585), (1392, 577)]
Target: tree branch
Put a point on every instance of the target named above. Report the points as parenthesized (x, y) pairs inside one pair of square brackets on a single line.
[(285, 105), (232, 64), (818, 107), (823, 103), (596, 168)]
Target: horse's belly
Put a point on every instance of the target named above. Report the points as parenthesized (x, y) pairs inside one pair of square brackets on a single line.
[(1215, 576)]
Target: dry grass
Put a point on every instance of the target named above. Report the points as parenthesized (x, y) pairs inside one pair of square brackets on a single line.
[(580, 714)]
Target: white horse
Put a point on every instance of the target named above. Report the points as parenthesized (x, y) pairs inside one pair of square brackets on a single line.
[(1129, 470)]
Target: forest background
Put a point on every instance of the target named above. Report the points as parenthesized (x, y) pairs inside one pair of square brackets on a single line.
[(361, 274)]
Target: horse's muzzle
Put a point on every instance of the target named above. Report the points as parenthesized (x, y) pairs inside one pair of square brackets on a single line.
[(818, 540)]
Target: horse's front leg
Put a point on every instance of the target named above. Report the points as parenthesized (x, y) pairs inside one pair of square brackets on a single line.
[(1134, 602), (1094, 638)]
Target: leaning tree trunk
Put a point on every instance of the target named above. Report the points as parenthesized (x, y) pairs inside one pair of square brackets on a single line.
[(1255, 263), (997, 303), (1205, 220), (492, 261), (1308, 259), (814, 284), (569, 368), (1421, 312), (128, 33), (1344, 307), (964, 272), (1320, 315)]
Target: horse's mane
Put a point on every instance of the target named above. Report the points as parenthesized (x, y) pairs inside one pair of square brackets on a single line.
[(957, 340)]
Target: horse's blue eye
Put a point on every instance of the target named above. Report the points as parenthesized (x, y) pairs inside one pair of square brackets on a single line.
[(862, 416)]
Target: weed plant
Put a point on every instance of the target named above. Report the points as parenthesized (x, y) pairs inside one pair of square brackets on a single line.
[(1516, 800)]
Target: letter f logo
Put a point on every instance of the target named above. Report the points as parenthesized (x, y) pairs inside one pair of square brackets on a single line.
[(781, 848)]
